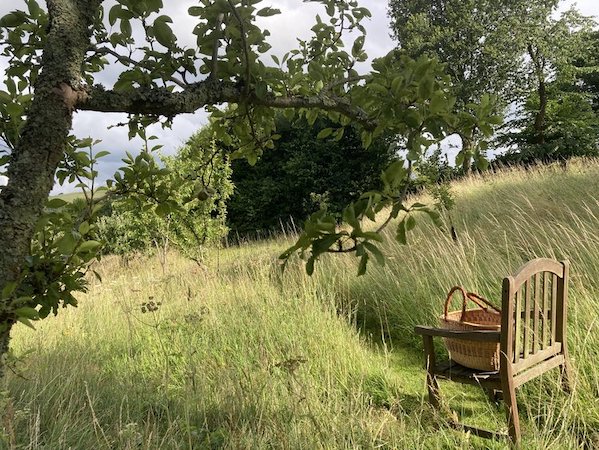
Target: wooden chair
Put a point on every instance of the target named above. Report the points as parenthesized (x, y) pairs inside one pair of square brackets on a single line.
[(532, 339)]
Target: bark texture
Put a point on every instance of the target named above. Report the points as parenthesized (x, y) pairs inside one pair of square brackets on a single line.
[(162, 102), (467, 141), (539, 125)]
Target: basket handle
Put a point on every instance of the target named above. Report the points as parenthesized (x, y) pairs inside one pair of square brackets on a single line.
[(475, 298)]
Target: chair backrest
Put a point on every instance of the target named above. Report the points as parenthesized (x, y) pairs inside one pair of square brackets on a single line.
[(533, 325)]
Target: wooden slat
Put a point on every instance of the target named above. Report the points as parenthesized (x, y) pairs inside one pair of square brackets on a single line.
[(527, 328), (562, 300), (536, 337), (481, 336), (537, 357), (480, 432), (553, 307), (538, 370), (546, 298), (456, 372), (518, 326)]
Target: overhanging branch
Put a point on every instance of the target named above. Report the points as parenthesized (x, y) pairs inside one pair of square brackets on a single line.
[(162, 102), (322, 102), (157, 100)]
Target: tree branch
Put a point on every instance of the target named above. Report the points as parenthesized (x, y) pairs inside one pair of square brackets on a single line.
[(325, 103), (158, 100), (333, 84), (162, 102)]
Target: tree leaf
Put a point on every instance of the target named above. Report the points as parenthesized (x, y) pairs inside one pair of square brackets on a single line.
[(325, 133), (26, 321), (363, 264), (114, 14), (89, 246), (13, 19), (310, 266), (267, 12), (163, 33), (56, 203), (27, 312), (401, 233), (84, 228), (380, 258), (102, 154)]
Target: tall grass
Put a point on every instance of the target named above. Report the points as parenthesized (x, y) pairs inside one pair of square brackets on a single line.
[(241, 356)]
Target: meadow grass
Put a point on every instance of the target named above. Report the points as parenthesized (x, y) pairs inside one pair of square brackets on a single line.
[(242, 356)]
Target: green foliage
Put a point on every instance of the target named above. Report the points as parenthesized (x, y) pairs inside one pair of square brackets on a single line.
[(196, 183), (571, 129), (586, 67), (201, 220), (434, 174), (558, 120), (125, 232), (64, 245), (308, 169), (24, 37), (475, 40), (425, 119)]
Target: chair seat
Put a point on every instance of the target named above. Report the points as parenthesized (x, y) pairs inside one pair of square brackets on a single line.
[(453, 371)]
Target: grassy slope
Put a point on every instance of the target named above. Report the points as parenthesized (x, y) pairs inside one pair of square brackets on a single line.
[(69, 197), (239, 357)]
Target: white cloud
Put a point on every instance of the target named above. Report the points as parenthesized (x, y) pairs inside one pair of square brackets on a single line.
[(586, 7), (3, 180)]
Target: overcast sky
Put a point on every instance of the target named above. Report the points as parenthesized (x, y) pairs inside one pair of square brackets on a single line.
[(295, 21)]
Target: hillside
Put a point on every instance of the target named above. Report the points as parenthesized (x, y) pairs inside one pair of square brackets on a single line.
[(240, 356)]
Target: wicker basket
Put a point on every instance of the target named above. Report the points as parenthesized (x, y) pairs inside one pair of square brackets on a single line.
[(472, 354)]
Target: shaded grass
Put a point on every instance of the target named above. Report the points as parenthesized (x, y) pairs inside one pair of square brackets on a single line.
[(242, 357)]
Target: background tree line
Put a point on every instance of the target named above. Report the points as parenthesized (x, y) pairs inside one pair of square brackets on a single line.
[(540, 65)]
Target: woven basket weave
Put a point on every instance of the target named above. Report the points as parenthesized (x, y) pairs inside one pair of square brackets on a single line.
[(472, 354)]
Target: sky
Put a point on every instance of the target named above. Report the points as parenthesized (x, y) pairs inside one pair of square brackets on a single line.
[(295, 21)]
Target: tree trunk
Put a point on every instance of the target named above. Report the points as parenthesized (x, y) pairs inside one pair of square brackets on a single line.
[(42, 142), (467, 142), (539, 69), (539, 125), (4, 341)]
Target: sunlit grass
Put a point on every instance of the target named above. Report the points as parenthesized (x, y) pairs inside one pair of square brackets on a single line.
[(240, 356)]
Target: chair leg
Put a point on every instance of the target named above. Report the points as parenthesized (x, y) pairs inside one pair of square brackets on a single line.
[(566, 374), (431, 380), (509, 397)]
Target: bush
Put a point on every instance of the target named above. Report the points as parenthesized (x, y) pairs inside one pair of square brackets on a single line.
[(200, 176), (302, 174)]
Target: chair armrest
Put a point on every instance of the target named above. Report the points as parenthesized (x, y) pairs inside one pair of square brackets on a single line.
[(482, 335)]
